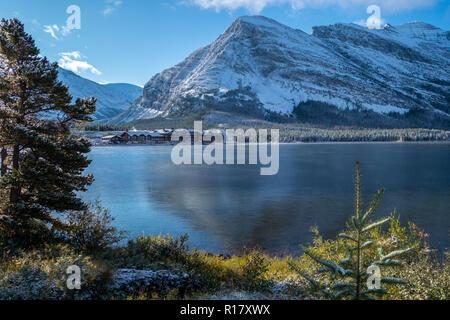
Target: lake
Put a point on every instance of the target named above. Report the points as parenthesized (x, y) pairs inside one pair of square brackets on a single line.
[(226, 208)]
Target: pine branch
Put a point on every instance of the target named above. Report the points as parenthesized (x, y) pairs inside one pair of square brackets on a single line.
[(343, 285), (373, 205), (367, 244), (396, 254), (346, 236), (334, 267), (389, 263), (390, 280), (376, 224)]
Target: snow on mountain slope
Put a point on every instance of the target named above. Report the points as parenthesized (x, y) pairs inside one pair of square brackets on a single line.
[(416, 33), (112, 99), (261, 63)]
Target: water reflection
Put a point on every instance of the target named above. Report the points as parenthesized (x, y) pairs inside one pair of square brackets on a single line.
[(225, 208)]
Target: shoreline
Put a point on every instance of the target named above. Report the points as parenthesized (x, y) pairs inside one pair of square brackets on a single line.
[(289, 143)]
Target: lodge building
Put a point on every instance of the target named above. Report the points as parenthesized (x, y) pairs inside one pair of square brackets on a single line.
[(155, 137), (135, 137), (143, 136)]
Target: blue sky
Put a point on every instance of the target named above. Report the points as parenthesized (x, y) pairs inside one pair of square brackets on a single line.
[(132, 40)]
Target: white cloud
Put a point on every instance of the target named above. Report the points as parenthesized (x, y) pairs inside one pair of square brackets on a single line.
[(65, 30), (56, 32), (52, 30), (72, 61), (74, 54), (256, 6), (112, 5)]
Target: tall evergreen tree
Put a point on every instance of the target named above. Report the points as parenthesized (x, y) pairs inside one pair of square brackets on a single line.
[(42, 164)]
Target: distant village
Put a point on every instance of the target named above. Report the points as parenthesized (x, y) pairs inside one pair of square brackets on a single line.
[(151, 137)]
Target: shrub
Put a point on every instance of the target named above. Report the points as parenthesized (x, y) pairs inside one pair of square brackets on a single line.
[(427, 271), (41, 275), (213, 272), (91, 229), (149, 251), (32, 236), (253, 271), (248, 272)]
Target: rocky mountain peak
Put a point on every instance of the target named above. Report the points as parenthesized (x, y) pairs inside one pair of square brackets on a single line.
[(259, 65)]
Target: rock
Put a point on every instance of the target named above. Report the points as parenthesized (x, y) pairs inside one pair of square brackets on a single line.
[(131, 281)]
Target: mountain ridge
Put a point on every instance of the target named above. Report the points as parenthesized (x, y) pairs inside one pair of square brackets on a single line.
[(112, 98), (261, 65)]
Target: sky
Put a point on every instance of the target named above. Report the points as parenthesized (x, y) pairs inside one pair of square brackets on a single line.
[(129, 41)]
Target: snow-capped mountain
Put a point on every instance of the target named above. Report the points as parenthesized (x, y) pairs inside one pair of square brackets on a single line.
[(261, 64), (112, 99)]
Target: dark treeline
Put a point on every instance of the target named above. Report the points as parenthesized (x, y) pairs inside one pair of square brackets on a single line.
[(289, 134), (324, 114), (96, 127)]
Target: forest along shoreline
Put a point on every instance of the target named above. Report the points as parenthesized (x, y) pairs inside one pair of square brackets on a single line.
[(287, 136)]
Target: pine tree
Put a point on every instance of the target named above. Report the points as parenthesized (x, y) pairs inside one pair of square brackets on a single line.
[(42, 164), (349, 276)]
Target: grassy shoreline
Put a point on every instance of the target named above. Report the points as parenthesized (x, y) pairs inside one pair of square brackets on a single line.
[(177, 272)]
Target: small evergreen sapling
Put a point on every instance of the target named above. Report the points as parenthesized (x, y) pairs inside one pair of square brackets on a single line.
[(349, 277)]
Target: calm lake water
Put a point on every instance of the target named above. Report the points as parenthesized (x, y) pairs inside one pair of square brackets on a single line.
[(224, 208)]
